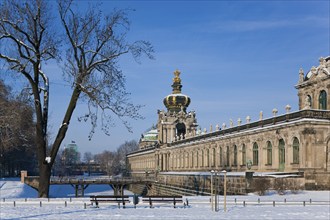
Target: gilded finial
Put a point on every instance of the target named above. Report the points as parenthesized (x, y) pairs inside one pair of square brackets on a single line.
[(176, 82), (177, 79)]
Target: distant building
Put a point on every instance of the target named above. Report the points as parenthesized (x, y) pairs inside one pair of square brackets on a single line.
[(292, 142)]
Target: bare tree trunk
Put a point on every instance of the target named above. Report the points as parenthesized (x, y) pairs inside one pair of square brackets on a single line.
[(44, 167), (44, 180)]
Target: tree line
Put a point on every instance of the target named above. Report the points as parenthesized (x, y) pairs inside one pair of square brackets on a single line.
[(17, 146), (111, 163), (17, 143)]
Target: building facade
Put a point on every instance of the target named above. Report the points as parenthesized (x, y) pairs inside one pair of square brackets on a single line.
[(292, 142)]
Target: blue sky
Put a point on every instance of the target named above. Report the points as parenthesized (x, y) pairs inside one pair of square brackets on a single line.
[(237, 58)]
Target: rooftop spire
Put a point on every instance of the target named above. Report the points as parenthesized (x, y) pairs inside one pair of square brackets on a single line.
[(176, 82)]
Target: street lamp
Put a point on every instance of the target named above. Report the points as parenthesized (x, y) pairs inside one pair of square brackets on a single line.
[(224, 190), (216, 201), (212, 171)]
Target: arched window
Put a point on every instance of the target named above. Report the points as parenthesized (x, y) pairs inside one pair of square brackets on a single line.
[(181, 130), (228, 156), (281, 149), (269, 153), (235, 155), (220, 156), (197, 158), (295, 147), (213, 156), (310, 101), (323, 100), (255, 154), (243, 155), (207, 164), (203, 159)]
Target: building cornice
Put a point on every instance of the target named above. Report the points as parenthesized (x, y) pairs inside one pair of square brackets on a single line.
[(300, 117)]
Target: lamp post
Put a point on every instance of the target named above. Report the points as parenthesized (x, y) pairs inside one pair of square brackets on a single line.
[(212, 171), (224, 190), (216, 201)]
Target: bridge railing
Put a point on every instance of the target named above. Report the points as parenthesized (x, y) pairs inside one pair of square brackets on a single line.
[(99, 179)]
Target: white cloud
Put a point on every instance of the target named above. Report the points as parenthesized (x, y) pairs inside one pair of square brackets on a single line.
[(255, 25)]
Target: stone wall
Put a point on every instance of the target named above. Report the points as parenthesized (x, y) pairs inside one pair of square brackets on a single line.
[(315, 180), (193, 184)]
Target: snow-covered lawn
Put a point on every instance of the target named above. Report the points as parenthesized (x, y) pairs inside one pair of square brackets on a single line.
[(27, 206)]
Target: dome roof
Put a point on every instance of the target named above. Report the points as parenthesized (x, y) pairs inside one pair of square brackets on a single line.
[(151, 135), (176, 101)]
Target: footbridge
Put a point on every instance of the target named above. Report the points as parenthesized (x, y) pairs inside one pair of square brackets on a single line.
[(79, 184)]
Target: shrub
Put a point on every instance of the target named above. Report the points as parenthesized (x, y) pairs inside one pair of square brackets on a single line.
[(281, 185), (260, 185), (295, 186)]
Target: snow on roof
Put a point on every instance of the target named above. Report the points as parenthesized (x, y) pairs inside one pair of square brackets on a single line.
[(176, 94)]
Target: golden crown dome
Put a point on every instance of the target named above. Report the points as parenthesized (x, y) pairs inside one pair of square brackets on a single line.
[(176, 101)]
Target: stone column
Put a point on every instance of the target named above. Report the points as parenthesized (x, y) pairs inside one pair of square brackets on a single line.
[(164, 133), (23, 175), (165, 162)]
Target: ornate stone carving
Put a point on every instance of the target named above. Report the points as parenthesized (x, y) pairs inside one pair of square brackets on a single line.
[(275, 111), (301, 75), (248, 119), (307, 103), (309, 131), (287, 108)]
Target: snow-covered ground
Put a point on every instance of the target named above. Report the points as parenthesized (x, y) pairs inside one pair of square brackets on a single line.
[(27, 205)]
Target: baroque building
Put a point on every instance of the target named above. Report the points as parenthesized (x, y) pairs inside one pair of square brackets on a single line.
[(295, 142)]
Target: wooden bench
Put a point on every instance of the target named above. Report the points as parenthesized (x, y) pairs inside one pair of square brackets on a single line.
[(109, 199), (163, 199)]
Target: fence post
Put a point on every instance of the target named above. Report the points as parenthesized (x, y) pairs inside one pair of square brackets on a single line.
[(273, 203), (235, 201), (258, 200), (14, 204), (85, 205), (310, 200), (304, 203), (285, 200), (40, 204), (65, 204), (244, 203)]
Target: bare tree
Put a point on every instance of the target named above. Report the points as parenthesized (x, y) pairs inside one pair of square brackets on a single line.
[(106, 159), (88, 156), (24, 28), (95, 43), (122, 151), (16, 137), (114, 163)]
